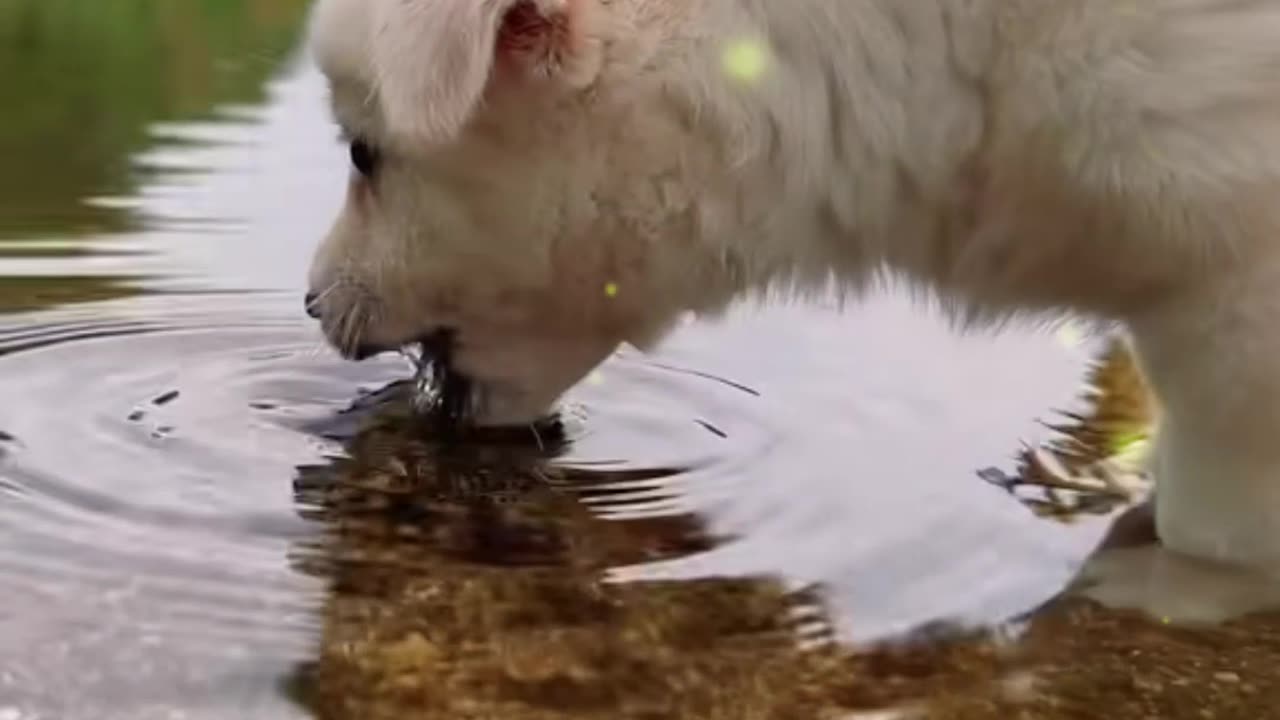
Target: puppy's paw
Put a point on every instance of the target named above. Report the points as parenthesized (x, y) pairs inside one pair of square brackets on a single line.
[(1174, 588), (1217, 504)]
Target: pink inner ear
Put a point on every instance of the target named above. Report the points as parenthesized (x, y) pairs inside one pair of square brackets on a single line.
[(528, 31)]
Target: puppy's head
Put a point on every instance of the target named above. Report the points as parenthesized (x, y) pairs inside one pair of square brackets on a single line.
[(524, 176)]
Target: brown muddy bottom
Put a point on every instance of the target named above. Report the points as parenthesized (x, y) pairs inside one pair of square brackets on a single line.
[(798, 511)]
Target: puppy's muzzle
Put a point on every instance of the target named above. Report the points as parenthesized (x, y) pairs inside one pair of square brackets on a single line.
[(438, 342)]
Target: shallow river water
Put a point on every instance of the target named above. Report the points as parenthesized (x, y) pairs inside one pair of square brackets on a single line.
[(172, 426)]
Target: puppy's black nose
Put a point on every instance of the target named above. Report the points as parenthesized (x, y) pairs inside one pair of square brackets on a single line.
[(310, 300)]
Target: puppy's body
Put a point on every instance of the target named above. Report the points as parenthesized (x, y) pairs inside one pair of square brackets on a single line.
[(560, 176)]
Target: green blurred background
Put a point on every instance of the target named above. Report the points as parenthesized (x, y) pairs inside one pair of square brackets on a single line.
[(81, 81)]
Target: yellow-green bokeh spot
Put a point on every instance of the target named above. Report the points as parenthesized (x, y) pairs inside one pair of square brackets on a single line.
[(746, 58), (1129, 446), (611, 289), (1070, 335)]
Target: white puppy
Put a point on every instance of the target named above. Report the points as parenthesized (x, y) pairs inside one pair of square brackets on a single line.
[(549, 178)]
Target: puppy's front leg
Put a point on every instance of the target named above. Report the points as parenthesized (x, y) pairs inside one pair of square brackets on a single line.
[(1212, 356)]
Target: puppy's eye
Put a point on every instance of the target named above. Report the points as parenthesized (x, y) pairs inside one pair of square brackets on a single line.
[(364, 158)]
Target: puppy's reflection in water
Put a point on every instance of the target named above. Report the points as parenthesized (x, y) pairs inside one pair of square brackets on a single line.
[(468, 580)]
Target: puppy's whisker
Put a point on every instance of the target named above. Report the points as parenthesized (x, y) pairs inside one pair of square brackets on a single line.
[(359, 323), (349, 333), (319, 297), (314, 350), (340, 330)]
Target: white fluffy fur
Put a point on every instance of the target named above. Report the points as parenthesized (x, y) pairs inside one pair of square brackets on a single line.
[(1118, 159)]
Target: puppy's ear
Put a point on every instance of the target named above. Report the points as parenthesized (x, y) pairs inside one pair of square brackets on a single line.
[(433, 58)]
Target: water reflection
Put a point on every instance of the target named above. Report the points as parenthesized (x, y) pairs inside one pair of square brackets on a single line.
[(472, 580)]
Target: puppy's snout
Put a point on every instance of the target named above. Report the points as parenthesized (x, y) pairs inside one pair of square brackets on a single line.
[(311, 301)]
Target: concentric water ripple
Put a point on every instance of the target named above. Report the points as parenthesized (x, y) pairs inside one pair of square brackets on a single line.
[(147, 456), (145, 545)]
